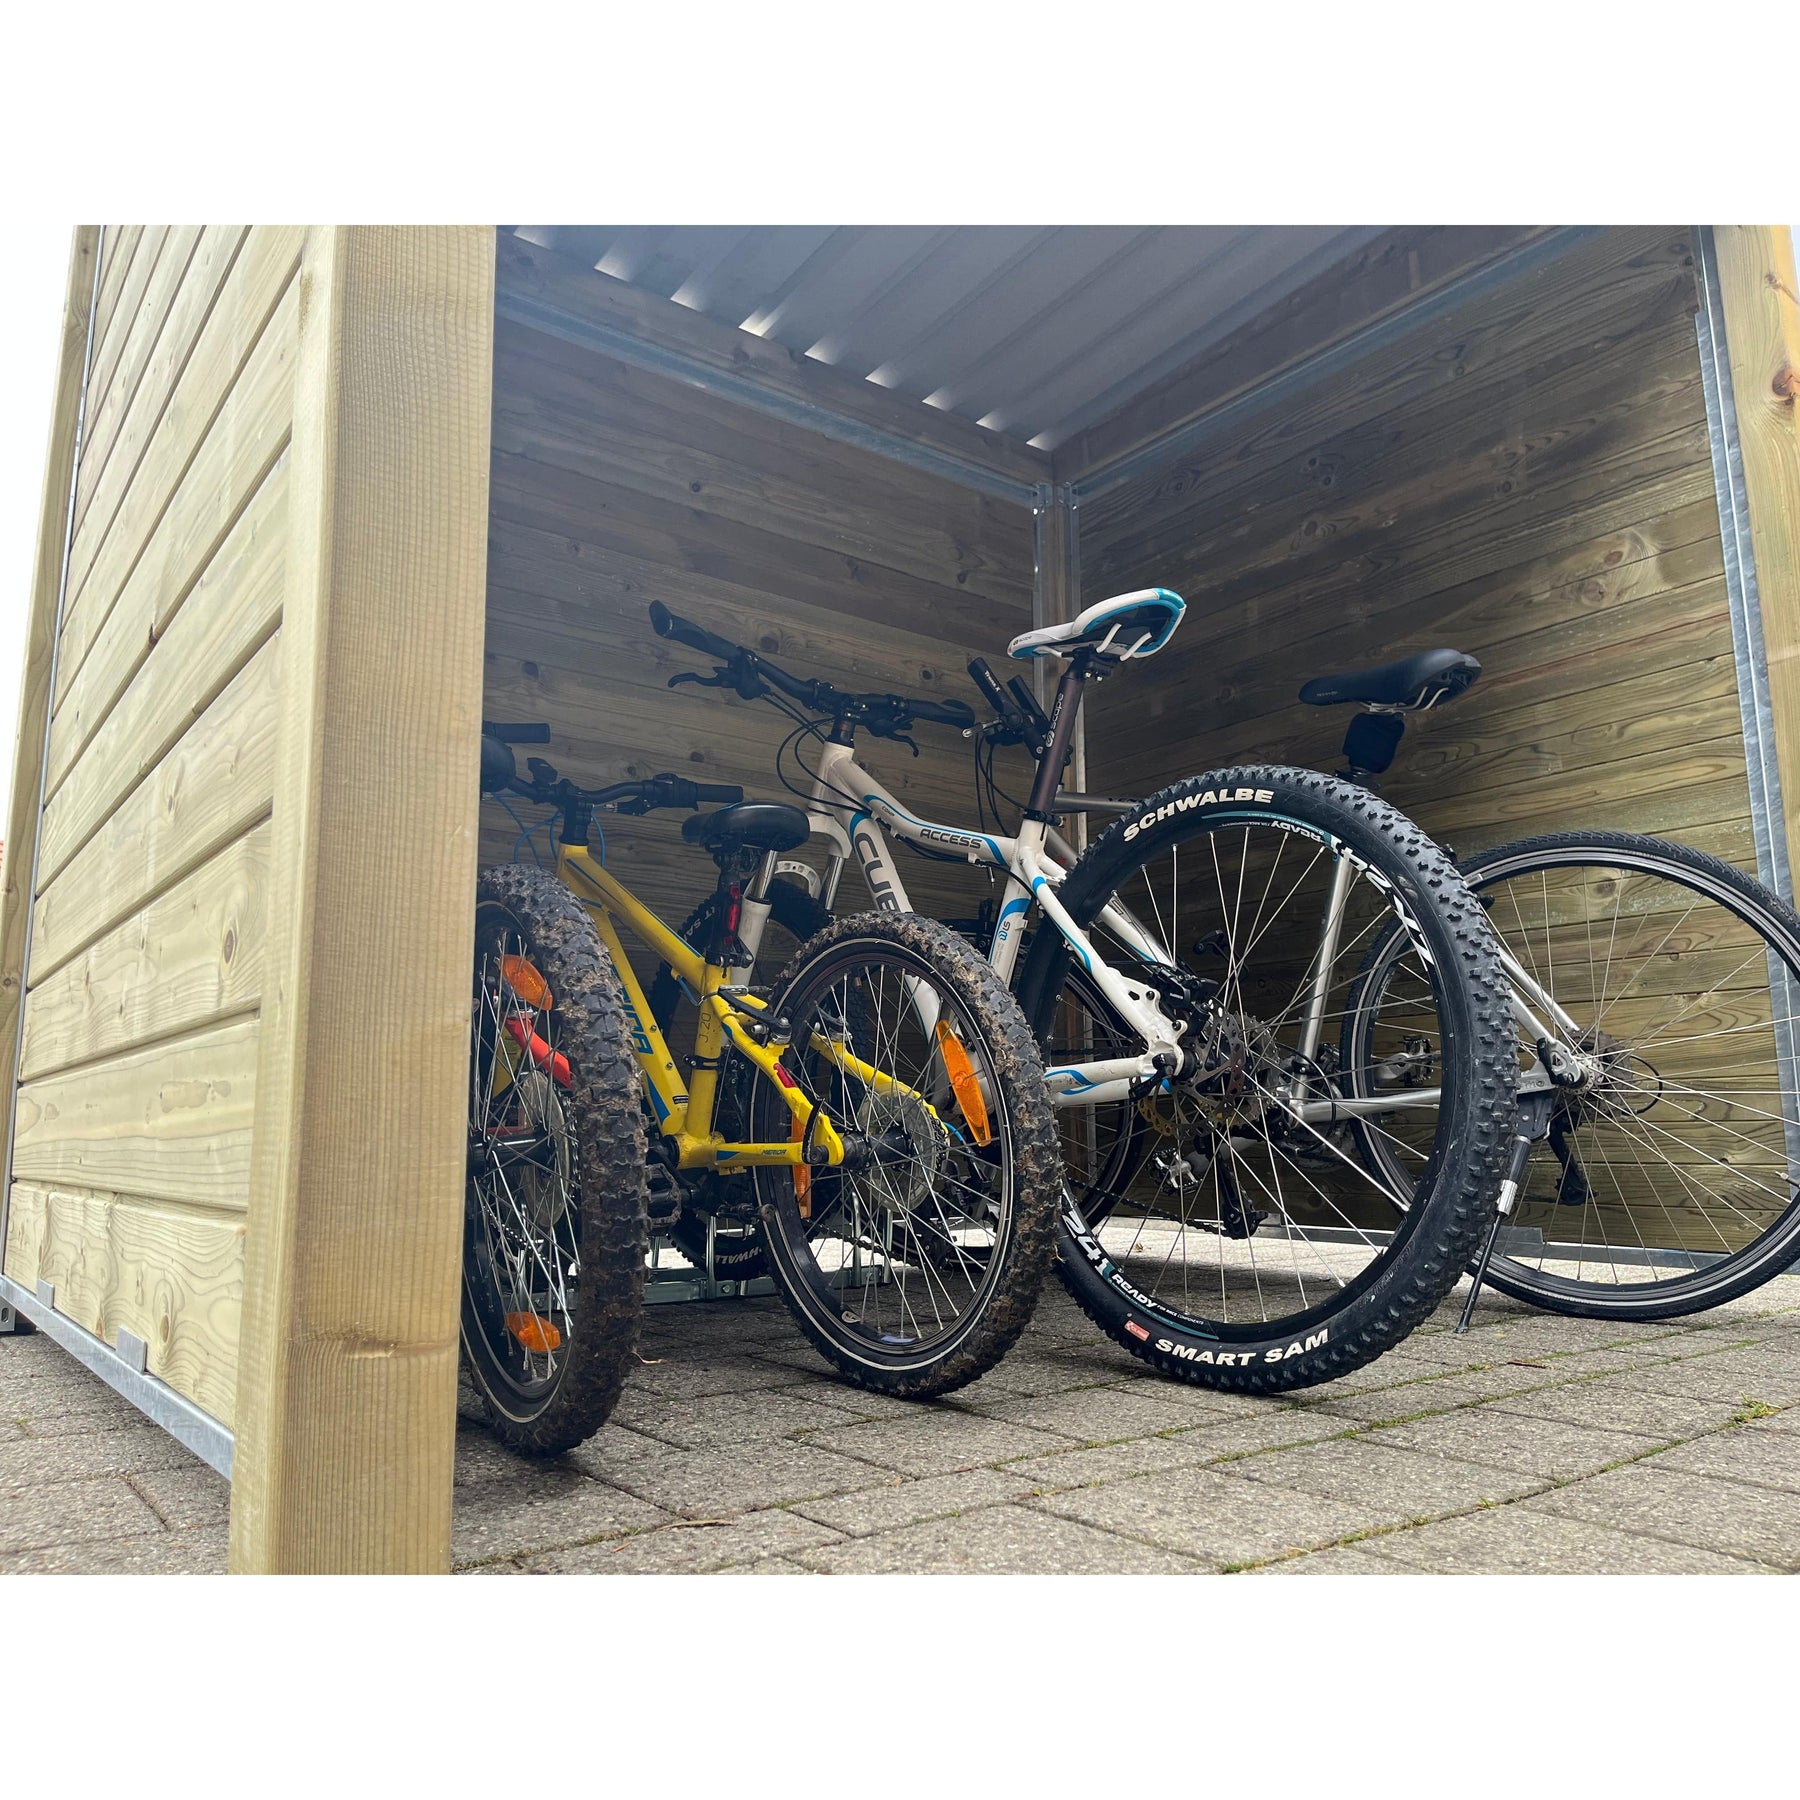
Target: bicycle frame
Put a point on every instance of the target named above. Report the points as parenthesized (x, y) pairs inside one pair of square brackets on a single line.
[(687, 1115), (853, 812)]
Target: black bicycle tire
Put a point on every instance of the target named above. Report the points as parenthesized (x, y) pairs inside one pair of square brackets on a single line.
[(1023, 1111), (1758, 1262), (613, 1183), (1443, 1227)]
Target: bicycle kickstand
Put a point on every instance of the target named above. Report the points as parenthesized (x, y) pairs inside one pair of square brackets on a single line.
[(1537, 1101)]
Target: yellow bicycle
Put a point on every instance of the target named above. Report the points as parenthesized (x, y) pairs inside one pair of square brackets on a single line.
[(881, 1111)]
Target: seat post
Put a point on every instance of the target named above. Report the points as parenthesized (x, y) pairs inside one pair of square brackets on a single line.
[(1062, 734)]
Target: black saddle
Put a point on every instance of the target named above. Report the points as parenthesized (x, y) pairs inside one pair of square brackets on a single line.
[(751, 825), (1414, 683)]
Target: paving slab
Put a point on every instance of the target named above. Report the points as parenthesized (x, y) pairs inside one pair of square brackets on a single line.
[(1549, 1447), (1343, 1559), (1741, 1375), (1515, 1540), (903, 1502), (1101, 1415), (124, 1450), (1001, 1540), (1112, 1462), (1763, 1458), (72, 1512), (722, 1421), (187, 1497), (689, 1549), (1608, 1406), (1213, 1515), (557, 1508), (939, 1441), (720, 1484), (1760, 1523), (1391, 1483), (162, 1553)]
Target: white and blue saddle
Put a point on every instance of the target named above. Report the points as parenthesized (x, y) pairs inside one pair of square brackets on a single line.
[(1119, 629)]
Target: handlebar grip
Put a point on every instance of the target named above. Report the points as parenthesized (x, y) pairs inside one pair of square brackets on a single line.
[(713, 793), (516, 734), (684, 631), (943, 712)]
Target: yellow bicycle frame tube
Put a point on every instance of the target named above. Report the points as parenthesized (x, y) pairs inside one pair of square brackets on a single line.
[(687, 1116)]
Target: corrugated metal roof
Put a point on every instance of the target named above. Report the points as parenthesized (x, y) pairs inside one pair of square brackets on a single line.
[(1034, 331)]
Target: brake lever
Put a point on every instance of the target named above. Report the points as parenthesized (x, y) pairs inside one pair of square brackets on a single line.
[(718, 678)]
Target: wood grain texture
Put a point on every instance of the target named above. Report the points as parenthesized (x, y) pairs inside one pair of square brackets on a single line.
[(345, 1417), (613, 488), (214, 784), (40, 641), (211, 639), (1527, 478), (1761, 296), (192, 956), (175, 306), (132, 354), (168, 1274), (131, 500), (170, 1121)]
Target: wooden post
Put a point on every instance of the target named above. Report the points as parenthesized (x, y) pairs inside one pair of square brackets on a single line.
[(346, 1406), (1761, 302), (40, 645)]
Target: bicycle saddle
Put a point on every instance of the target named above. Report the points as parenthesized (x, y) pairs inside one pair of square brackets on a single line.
[(1415, 683), (750, 825), (1118, 629)]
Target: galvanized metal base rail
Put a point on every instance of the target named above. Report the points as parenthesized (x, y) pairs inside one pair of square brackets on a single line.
[(123, 1368)]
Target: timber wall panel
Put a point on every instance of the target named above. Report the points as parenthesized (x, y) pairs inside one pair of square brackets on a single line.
[(1527, 478), (132, 1129), (613, 487)]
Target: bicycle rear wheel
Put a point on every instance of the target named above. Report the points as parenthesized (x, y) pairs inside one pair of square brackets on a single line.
[(1222, 1227), (1668, 1183), (915, 1264)]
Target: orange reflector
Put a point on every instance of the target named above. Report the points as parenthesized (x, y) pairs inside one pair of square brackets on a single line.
[(525, 981), (965, 1084), (538, 1335), (802, 1174)]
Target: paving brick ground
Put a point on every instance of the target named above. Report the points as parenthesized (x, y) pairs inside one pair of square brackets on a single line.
[(1533, 1445)]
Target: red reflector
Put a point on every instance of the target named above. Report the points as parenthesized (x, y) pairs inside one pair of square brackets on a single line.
[(540, 1052)]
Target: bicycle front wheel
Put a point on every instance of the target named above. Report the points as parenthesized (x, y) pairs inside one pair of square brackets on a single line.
[(1220, 1224), (554, 1207), (915, 1264), (1668, 982)]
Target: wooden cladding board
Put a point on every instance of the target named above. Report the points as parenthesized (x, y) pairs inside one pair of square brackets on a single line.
[(138, 1065), (613, 487), (1526, 478)]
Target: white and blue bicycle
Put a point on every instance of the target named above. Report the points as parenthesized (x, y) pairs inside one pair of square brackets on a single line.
[(1190, 977)]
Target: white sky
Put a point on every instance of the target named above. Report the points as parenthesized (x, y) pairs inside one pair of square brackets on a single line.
[(31, 293)]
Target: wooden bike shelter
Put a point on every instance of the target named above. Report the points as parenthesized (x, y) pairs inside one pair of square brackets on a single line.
[(315, 498)]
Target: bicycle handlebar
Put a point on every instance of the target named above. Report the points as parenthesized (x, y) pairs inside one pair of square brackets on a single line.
[(500, 774), (750, 675)]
